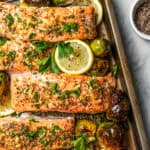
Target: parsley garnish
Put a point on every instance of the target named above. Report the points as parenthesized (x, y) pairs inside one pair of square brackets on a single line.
[(31, 135), (115, 70), (41, 45), (53, 63), (15, 114), (44, 64), (10, 20), (68, 92), (65, 49), (70, 27), (2, 54), (41, 132), (12, 134), (48, 63), (30, 54), (38, 105), (71, 16), (81, 142), (35, 96), (54, 88), (25, 90), (32, 35), (12, 55), (93, 84), (44, 143), (55, 128), (3, 40)]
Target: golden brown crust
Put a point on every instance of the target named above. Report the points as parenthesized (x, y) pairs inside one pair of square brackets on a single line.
[(47, 23), (63, 93), (17, 134)]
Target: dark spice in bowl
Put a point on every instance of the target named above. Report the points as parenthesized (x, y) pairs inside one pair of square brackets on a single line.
[(142, 17)]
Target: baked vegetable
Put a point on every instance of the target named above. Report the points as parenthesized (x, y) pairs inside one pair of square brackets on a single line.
[(35, 3), (85, 133), (101, 47), (62, 2), (120, 107), (109, 136), (100, 67), (85, 126)]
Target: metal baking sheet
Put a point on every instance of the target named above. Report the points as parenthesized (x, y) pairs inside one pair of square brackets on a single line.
[(137, 135), (137, 138)]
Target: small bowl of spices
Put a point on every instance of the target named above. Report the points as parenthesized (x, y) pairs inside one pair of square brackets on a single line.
[(140, 18)]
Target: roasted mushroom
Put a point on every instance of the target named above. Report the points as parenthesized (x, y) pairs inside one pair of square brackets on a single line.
[(34, 3), (109, 136), (120, 107), (101, 47), (100, 67)]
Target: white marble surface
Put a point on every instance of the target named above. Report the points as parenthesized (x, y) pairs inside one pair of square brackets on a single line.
[(138, 54)]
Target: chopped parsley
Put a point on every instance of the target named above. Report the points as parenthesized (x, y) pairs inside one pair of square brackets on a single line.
[(38, 105), (31, 135), (81, 142), (44, 64), (54, 88), (10, 20), (55, 128), (41, 45), (70, 27), (18, 18), (3, 40), (12, 55), (16, 115), (32, 35), (36, 96), (30, 54), (44, 143), (93, 84), (68, 92), (71, 16), (2, 53), (12, 134), (41, 132), (25, 90)]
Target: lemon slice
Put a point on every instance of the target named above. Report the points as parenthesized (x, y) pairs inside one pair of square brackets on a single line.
[(5, 106), (99, 10), (78, 62)]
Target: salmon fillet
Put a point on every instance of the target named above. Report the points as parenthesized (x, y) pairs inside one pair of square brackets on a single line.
[(51, 24), (63, 93), (40, 134), (21, 56)]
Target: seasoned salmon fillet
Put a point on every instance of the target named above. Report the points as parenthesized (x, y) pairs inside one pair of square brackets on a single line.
[(36, 133), (22, 56), (63, 93), (51, 24)]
